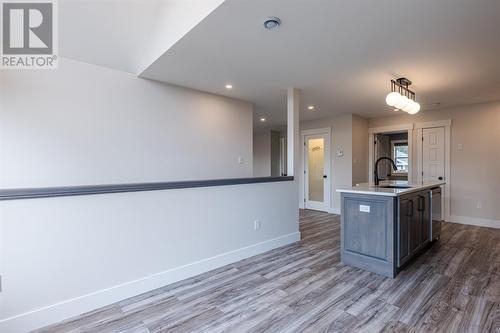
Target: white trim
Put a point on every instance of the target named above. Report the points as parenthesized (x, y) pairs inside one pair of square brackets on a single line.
[(328, 164), (333, 210), (60, 311), (371, 155), (387, 129), (325, 204), (418, 134), (322, 130), (435, 123), (480, 222), (391, 128), (447, 159), (398, 141), (411, 157), (447, 167), (293, 115), (400, 173)]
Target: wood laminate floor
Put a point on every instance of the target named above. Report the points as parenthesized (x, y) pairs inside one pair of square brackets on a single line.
[(303, 287)]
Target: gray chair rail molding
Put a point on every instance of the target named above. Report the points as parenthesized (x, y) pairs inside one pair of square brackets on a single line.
[(64, 191)]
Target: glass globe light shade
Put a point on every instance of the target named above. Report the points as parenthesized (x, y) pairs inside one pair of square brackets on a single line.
[(409, 106), (392, 98), (415, 108), (403, 101)]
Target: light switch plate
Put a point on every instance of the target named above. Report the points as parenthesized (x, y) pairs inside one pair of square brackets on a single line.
[(256, 225), (364, 208)]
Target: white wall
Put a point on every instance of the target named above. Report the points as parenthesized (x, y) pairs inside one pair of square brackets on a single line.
[(84, 124), (90, 251), (359, 150), (262, 154), (474, 171)]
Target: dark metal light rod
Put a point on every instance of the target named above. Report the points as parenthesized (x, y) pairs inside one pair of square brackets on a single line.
[(402, 89)]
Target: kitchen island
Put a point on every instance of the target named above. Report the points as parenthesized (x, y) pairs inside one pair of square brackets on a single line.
[(383, 227)]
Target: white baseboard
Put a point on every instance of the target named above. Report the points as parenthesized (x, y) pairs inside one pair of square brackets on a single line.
[(330, 210), (334, 211), (475, 221), (69, 308)]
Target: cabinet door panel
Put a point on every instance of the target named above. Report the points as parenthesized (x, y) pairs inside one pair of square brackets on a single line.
[(416, 225), (414, 234), (405, 213), (367, 232), (426, 223)]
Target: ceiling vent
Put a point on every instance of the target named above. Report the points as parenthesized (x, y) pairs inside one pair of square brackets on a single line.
[(272, 23)]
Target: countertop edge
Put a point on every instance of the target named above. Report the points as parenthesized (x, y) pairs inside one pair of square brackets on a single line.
[(368, 191)]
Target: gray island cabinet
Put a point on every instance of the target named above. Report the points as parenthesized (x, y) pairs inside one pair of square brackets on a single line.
[(383, 227)]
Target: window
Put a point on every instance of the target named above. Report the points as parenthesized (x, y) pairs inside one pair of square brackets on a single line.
[(400, 155)]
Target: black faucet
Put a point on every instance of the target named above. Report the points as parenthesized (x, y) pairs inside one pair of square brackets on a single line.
[(376, 168)]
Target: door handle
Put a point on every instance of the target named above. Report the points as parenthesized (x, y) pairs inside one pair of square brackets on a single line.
[(440, 178), (421, 203), (325, 176)]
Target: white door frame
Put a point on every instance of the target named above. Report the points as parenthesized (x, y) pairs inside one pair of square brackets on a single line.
[(385, 129), (447, 159), (328, 163)]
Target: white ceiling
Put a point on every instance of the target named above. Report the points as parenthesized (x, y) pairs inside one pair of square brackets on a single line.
[(341, 54), (127, 35), (108, 33)]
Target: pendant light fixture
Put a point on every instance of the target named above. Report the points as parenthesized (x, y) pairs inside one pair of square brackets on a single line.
[(401, 97)]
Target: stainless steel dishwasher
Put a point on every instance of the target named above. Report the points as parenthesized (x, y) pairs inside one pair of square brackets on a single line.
[(435, 213)]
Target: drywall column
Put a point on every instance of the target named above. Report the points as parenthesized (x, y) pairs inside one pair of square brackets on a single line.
[(293, 99)]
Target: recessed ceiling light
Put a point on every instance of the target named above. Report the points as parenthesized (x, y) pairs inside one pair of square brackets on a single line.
[(272, 23), (262, 120), (229, 86), (310, 107)]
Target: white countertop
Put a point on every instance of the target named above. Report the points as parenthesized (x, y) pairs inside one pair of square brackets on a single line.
[(370, 188)]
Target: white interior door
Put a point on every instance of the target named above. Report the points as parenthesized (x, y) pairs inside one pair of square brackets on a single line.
[(433, 162), (317, 172)]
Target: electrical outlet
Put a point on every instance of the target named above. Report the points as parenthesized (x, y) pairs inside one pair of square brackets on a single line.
[(460, 147), (256, 225), (479, 205)]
